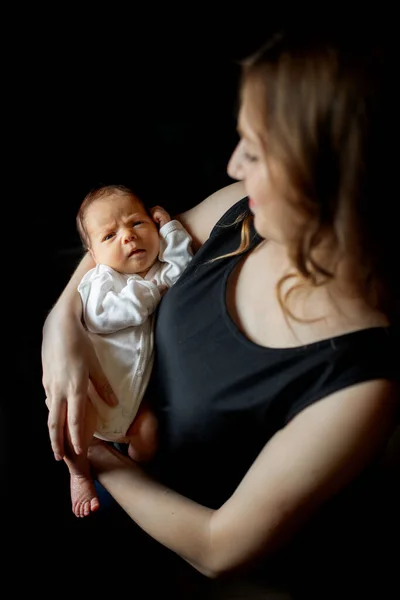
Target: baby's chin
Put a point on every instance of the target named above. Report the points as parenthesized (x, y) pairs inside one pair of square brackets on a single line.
[(136, 266)]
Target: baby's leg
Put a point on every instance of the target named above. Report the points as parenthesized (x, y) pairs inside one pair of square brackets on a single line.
[(83, 492), (143, 434)]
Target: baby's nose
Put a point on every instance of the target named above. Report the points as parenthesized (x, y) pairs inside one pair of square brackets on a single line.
[(129, 235)]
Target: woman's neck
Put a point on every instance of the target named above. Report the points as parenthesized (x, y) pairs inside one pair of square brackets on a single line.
[(339, 300)]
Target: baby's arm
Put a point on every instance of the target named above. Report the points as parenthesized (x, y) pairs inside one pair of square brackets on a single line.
[(106, 310), (175, 251)]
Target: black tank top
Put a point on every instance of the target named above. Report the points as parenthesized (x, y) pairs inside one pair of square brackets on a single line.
[(218, 396)]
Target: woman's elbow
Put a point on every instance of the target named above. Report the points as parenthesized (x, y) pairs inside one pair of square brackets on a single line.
[(221, 563), (215, 571), (231, 553), (224, 569), (215, 561)]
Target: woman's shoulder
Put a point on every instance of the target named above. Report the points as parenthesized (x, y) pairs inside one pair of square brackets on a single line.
[(233, 216), (202, 218)]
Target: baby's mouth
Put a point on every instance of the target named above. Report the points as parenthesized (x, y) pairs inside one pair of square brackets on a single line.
[(135, 252)]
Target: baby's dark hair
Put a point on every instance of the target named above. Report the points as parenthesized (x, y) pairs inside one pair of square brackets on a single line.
[(96, 194)]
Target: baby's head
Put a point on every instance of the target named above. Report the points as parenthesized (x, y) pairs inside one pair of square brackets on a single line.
[(118, 231)]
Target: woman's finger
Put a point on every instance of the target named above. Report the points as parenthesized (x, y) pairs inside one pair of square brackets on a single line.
[(105, 392), (76, 420), (55, 423), (100, 382)]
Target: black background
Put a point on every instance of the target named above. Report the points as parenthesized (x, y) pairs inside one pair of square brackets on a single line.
[(146, 100)]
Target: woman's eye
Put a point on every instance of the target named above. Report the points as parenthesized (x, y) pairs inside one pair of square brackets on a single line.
[(250, 157)]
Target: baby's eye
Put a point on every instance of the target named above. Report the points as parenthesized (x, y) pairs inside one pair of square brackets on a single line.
[(135, 223), (108, 237)]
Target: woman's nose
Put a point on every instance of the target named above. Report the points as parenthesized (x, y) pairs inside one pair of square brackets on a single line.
[(235, 169)]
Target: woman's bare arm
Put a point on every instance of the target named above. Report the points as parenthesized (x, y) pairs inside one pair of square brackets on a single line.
[(68, 361), (200, 219), (69, 301), (314, 456)]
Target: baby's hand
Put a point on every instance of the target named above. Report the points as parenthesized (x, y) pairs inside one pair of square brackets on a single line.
[(160, 216), (162, 288)]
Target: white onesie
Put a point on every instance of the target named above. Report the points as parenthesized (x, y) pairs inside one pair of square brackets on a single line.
[(118, 313)]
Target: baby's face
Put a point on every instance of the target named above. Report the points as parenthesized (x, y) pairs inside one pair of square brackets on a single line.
[(121, 234)]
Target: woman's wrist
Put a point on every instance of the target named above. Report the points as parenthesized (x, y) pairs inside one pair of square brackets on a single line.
[(104, 459)]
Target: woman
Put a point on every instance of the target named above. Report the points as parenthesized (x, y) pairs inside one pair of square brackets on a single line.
[(274, 381)]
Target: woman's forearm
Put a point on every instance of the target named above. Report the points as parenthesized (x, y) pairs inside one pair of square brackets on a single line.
[(69, 302), (176, 522)]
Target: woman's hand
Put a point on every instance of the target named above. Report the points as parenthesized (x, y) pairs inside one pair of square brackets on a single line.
[(69, 363)]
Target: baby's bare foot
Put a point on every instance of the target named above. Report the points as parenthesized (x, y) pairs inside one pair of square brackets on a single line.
[(83, 496)]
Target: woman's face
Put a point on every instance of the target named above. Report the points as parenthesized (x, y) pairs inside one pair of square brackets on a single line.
[(264, 181)]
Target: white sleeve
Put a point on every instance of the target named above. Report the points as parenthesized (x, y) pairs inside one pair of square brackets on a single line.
[(175, 251), (106, 311)]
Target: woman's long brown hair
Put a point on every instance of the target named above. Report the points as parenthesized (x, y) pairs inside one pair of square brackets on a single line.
[(324, 107)]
